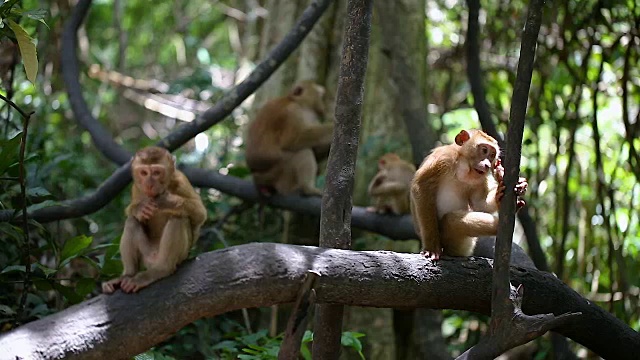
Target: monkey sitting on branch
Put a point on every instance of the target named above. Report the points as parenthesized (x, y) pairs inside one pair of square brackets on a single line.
[(389, 189), (282, 139), (163, 221), (456, 193)]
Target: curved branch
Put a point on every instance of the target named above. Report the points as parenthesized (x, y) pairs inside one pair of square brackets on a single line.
[(103, 139), (267, 274), (71, 74)]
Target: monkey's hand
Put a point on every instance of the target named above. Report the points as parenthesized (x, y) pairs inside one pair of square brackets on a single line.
[(145, 210), (521, 189)]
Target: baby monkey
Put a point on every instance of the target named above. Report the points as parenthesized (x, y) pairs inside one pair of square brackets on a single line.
[(389, 189), (163, 221), (456, 193)]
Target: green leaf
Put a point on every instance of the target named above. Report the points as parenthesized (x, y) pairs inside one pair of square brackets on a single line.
[(38, 192), (68, 293), (37, 14), (12, 231), (6, 6), (5, 310), (9, 152), (27, 50), (43, 284), (85, 286), (20, 268), (74, 246), (46, 270)]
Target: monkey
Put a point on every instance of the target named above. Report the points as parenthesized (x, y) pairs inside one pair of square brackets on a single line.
[(389, 188), (163, 221), (455, 193), (282, 139)]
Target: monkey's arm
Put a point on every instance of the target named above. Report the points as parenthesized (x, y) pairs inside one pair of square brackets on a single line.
[(389, 188), (307, 136), (425, 216)]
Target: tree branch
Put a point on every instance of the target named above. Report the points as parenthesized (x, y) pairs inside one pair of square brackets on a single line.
[(510, 326), (335, 217), (267, 274)]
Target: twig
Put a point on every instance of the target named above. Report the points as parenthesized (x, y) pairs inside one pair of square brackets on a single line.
[(297, 324), (13, 105), (25, 223)]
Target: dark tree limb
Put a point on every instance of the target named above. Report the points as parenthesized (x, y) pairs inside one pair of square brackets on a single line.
[(510, 326), (104, 140), (335, 217), (263, 274)]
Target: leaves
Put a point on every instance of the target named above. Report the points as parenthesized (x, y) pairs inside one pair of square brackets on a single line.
[(73, 248), (9, 152), (27, 50)]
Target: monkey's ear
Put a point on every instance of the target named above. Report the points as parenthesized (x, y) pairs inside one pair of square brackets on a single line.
[(297, 91), (462, 137)]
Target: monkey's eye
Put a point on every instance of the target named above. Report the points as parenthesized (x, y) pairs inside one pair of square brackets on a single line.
[(484, 150), (156, 172), (144, 173)]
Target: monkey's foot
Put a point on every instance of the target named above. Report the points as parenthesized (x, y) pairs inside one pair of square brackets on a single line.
[(133, 284), (108, 287), (433, 255)]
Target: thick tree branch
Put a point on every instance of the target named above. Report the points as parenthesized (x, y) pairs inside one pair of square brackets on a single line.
[(263, 274)]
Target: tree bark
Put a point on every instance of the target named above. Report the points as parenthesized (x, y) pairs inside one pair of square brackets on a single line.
[(263, 274)]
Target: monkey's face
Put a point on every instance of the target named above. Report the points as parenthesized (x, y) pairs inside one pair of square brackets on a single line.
[(481, 161), (152, 179)]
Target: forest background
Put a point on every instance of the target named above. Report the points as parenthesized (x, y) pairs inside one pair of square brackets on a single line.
[(580, 150)]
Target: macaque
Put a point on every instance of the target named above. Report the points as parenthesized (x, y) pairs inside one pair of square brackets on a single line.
[(163, 221), (281, 141), (456, 192), (389, 189)]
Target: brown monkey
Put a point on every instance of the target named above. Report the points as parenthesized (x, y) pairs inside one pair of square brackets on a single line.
[(280, 142), (163, 221), (389, 189), (456, 192)]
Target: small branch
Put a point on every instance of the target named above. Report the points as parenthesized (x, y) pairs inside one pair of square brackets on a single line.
[(16, 107), (509, 326), (290, 347), (25, 224)]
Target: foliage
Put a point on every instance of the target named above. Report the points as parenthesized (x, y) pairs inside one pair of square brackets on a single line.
[(260, 346)]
